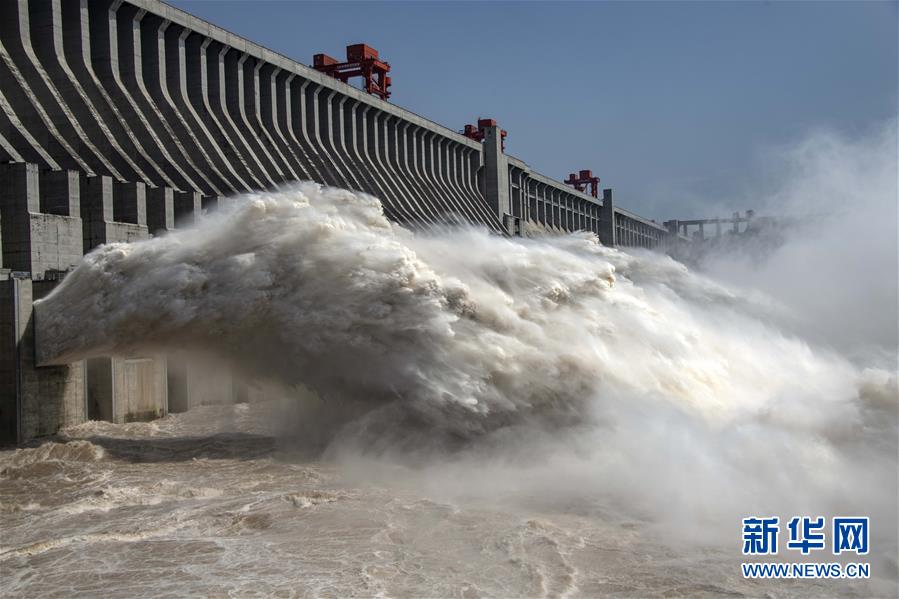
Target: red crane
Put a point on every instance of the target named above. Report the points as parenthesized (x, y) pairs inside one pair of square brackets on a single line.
[(361, 61), (582, 180), (477, 132)]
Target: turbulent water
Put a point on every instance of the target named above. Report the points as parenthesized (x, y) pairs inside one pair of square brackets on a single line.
[(208, 503), (458, 415)]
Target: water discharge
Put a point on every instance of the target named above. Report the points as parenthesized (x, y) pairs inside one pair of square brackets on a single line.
[(546, 399)]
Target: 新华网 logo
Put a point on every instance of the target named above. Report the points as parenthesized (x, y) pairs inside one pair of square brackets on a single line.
[(848, 535)]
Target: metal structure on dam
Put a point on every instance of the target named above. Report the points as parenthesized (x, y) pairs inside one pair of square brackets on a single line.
[(123, 119)]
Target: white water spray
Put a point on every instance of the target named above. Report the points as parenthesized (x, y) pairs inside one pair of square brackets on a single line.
[(597, 371)]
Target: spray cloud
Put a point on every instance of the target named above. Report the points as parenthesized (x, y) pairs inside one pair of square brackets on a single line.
[(621, 374)]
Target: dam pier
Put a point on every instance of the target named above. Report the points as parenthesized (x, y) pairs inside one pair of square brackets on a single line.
[(126, 119)]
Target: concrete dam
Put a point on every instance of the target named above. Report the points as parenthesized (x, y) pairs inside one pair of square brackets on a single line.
[(122, 120)]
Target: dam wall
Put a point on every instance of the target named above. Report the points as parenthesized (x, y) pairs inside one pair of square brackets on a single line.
[(140, 91), (48, 221), (121, 120)]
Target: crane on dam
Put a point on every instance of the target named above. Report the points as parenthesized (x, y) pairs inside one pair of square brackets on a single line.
[(583, 180), (476, 132), (361, 61)]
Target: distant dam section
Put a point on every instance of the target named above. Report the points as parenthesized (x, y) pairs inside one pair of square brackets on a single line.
[(123, 120)]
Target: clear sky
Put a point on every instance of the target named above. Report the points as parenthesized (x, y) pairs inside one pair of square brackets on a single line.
[(673, 104)]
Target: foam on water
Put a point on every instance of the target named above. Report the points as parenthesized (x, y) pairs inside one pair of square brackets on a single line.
[(73, 451)]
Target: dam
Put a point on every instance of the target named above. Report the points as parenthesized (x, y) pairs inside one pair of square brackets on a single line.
[(124, 120)]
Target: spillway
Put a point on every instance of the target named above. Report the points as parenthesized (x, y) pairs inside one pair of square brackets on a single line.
[(124, 120)]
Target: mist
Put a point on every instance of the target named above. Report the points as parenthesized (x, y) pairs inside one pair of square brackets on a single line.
[(835, 269), (552, 370)]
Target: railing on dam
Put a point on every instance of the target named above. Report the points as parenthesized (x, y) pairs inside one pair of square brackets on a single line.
[(143, 92)]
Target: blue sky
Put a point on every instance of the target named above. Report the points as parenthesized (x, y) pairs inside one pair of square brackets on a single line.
[(673, 104)]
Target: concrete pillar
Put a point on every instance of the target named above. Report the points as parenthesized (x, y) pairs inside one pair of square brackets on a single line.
[(160, 209), (126, 388), (60, 193), (11, 331), (188, 205), (99, 197), (96, 209), (140, 385), (19, 197), (34, 401), (496, 174), (607, 231), (129, 203), (212, 203), (34, 242)]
